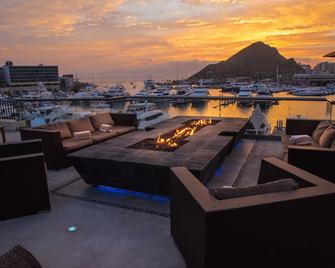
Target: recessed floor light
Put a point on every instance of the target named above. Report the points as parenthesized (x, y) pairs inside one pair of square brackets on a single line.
[(72, 229)]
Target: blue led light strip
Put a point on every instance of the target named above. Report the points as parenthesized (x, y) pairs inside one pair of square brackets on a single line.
[(132, 193)]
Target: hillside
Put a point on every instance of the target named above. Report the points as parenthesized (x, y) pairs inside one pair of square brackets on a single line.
[(256, 61)]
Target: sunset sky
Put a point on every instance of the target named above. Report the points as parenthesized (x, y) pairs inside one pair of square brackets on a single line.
[(133, 38)]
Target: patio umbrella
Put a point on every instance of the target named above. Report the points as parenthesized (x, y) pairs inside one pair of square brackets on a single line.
[(332, 55)]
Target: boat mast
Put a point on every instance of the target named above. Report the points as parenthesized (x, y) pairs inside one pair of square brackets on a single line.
[(277, 78)]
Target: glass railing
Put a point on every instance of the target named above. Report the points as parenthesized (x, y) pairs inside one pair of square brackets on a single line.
[(272, 112)]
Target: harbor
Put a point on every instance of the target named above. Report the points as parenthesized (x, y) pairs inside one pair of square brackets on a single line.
[(169, 101)]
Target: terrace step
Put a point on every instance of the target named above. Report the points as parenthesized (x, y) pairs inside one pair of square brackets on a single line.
[(230, 170)]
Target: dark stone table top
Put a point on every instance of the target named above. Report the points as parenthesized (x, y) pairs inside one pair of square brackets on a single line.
[(195, 154)]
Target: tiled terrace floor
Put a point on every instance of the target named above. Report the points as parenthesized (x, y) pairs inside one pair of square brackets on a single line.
[(115, 230)]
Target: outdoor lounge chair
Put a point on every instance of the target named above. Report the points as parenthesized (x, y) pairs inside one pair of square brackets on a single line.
[(312, 158), (284, 229), (23, 189)]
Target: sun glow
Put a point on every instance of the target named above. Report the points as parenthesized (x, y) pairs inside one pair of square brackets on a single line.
[(86, 36)]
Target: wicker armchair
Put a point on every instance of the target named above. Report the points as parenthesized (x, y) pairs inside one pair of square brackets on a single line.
[(285, 229), (24, 187)]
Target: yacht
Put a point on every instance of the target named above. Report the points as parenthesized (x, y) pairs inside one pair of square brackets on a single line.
[(200, 92), (160, 92), (58, 113), (147, 114), (312, 91), (100, 107), (87, 92), (245, 92), (263, 90), (149, 84), (182, 91), (143, 92), (116, 91), (85, 95)]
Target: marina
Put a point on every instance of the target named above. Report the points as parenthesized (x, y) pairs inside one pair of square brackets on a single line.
[(183, 100)]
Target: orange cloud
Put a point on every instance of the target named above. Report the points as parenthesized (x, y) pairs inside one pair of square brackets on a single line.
[(84, 35)]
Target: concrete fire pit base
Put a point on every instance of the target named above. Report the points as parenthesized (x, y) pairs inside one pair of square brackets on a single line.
[(113, 163)]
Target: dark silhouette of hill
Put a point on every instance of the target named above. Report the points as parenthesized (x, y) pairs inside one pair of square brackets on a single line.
[(256, 61)]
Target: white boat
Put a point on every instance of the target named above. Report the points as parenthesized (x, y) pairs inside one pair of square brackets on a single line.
[(143, 92), (159, 92), (57, 113), (263, 90), (147, 114), (182, 91), (88, 92), (245, 92), (116, 91), (312, 91), (199, 92), (100, 106), (149, 87), (149, 84), (85, 95)]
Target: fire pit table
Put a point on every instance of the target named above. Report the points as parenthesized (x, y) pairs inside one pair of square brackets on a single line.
[(140, 160)]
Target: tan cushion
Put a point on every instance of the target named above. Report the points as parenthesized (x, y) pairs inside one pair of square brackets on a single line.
[(71, 144), (101, 118), (123, 129), (282, 185), (328, 137), (79, 125), (319, 130), (99, 136), (62, 127)]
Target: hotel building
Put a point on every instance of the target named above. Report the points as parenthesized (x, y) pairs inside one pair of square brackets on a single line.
[(29, 76)]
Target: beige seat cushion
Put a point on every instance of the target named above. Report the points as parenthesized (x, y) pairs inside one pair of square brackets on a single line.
[(99, 136), (123, 129), (62, 127), (283, 185), (328, 137), (101, 118), (79, 125), (323, 125), (72, 144)]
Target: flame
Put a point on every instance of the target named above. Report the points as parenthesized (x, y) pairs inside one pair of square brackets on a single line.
[(182, 133)]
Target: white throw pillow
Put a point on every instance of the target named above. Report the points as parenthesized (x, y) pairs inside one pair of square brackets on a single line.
[(300, 140), (82, 135), (105, 128)]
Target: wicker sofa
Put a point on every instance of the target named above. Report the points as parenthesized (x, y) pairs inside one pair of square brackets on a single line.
[(312, 158), (58, 140), (283, 229)]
